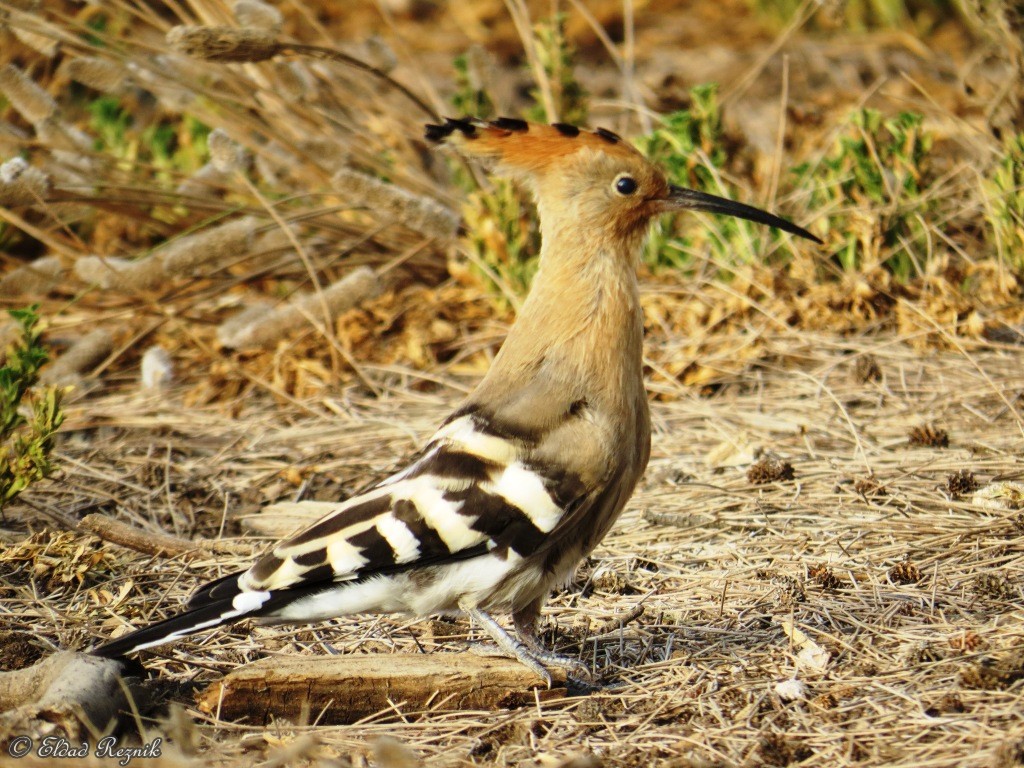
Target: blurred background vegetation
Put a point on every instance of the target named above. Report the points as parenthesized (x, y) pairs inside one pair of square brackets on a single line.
[(249, 202)]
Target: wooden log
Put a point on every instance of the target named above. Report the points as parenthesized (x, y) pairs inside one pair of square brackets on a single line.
[(344, 689), (75, 693)]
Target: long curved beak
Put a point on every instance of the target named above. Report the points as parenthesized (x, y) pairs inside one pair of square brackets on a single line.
[(683, 199)]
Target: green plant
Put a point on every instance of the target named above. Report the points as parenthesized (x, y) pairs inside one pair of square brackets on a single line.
[(879, 166), (177, 148), (1005, 188), (557, 59), (503, 239), (689, 145), (26, 442), (470, 98)]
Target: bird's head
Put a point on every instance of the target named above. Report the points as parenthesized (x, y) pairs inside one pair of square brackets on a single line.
[(588, 179)]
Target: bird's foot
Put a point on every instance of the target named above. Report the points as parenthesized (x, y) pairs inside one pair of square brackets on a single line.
[(520, 654), (527, 651)]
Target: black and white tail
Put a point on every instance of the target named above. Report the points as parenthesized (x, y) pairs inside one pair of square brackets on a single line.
[(220, 602)]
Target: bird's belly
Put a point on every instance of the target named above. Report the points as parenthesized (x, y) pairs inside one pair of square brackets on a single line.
[(487, 581), (490, 582)]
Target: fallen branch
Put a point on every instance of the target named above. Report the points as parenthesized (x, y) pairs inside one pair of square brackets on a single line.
[(619, 620), (677, 519), (157, 544), (344, 689)]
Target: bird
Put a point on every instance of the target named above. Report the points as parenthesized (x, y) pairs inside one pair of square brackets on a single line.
[(528, 474)]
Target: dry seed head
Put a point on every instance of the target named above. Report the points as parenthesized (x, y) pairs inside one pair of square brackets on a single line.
[(947, 703), (1000, 496), (994, 585), (391, 753), (31, 101), (961, 483), (44, 44), (224, 43), (21, 184), (234, 332), (929, 435), (295, 80), (420, 214), (769, 470), (81, 356), (252, 13), (111, 272), (99, 74), (60, 136), (379, 54), (68, 174), (994, 674), (967, 642), (869, 486), (24, 5), (167, 76), (923, 652), (905, 572), (327, 153), (269, 170), (204, 252), (226, 154), (866, 369), (37, 278), (824, 576), (156, 370), (12, 138), (266, 329)]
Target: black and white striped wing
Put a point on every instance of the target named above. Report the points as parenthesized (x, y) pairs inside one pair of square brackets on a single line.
[(468, 493)]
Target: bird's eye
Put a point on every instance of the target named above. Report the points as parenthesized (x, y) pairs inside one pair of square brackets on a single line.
[(625, 185)]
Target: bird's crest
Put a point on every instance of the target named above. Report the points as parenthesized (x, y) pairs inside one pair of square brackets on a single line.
[(515, 145)]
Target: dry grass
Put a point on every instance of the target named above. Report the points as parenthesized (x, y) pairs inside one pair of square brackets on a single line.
[(910, 597), (808, 573)]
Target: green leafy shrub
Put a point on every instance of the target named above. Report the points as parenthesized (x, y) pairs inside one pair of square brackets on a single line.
[(557, 59), (690, 146), (879, 165), (26, 442), (1005, 215), (471, 98), (172, 148), (503, 239)]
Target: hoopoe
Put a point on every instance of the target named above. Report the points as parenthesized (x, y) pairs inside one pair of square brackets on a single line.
[(527, 476)]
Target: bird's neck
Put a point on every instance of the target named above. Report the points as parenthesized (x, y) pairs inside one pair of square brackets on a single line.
[(582, 320)]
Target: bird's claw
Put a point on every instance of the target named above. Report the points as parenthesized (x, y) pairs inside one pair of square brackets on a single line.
[(538, 661)]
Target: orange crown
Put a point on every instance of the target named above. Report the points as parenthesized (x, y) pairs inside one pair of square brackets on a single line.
[(517, 145)]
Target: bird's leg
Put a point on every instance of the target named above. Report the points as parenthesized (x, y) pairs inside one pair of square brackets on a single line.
[(508, 645), (525, 622), (527, 649)]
